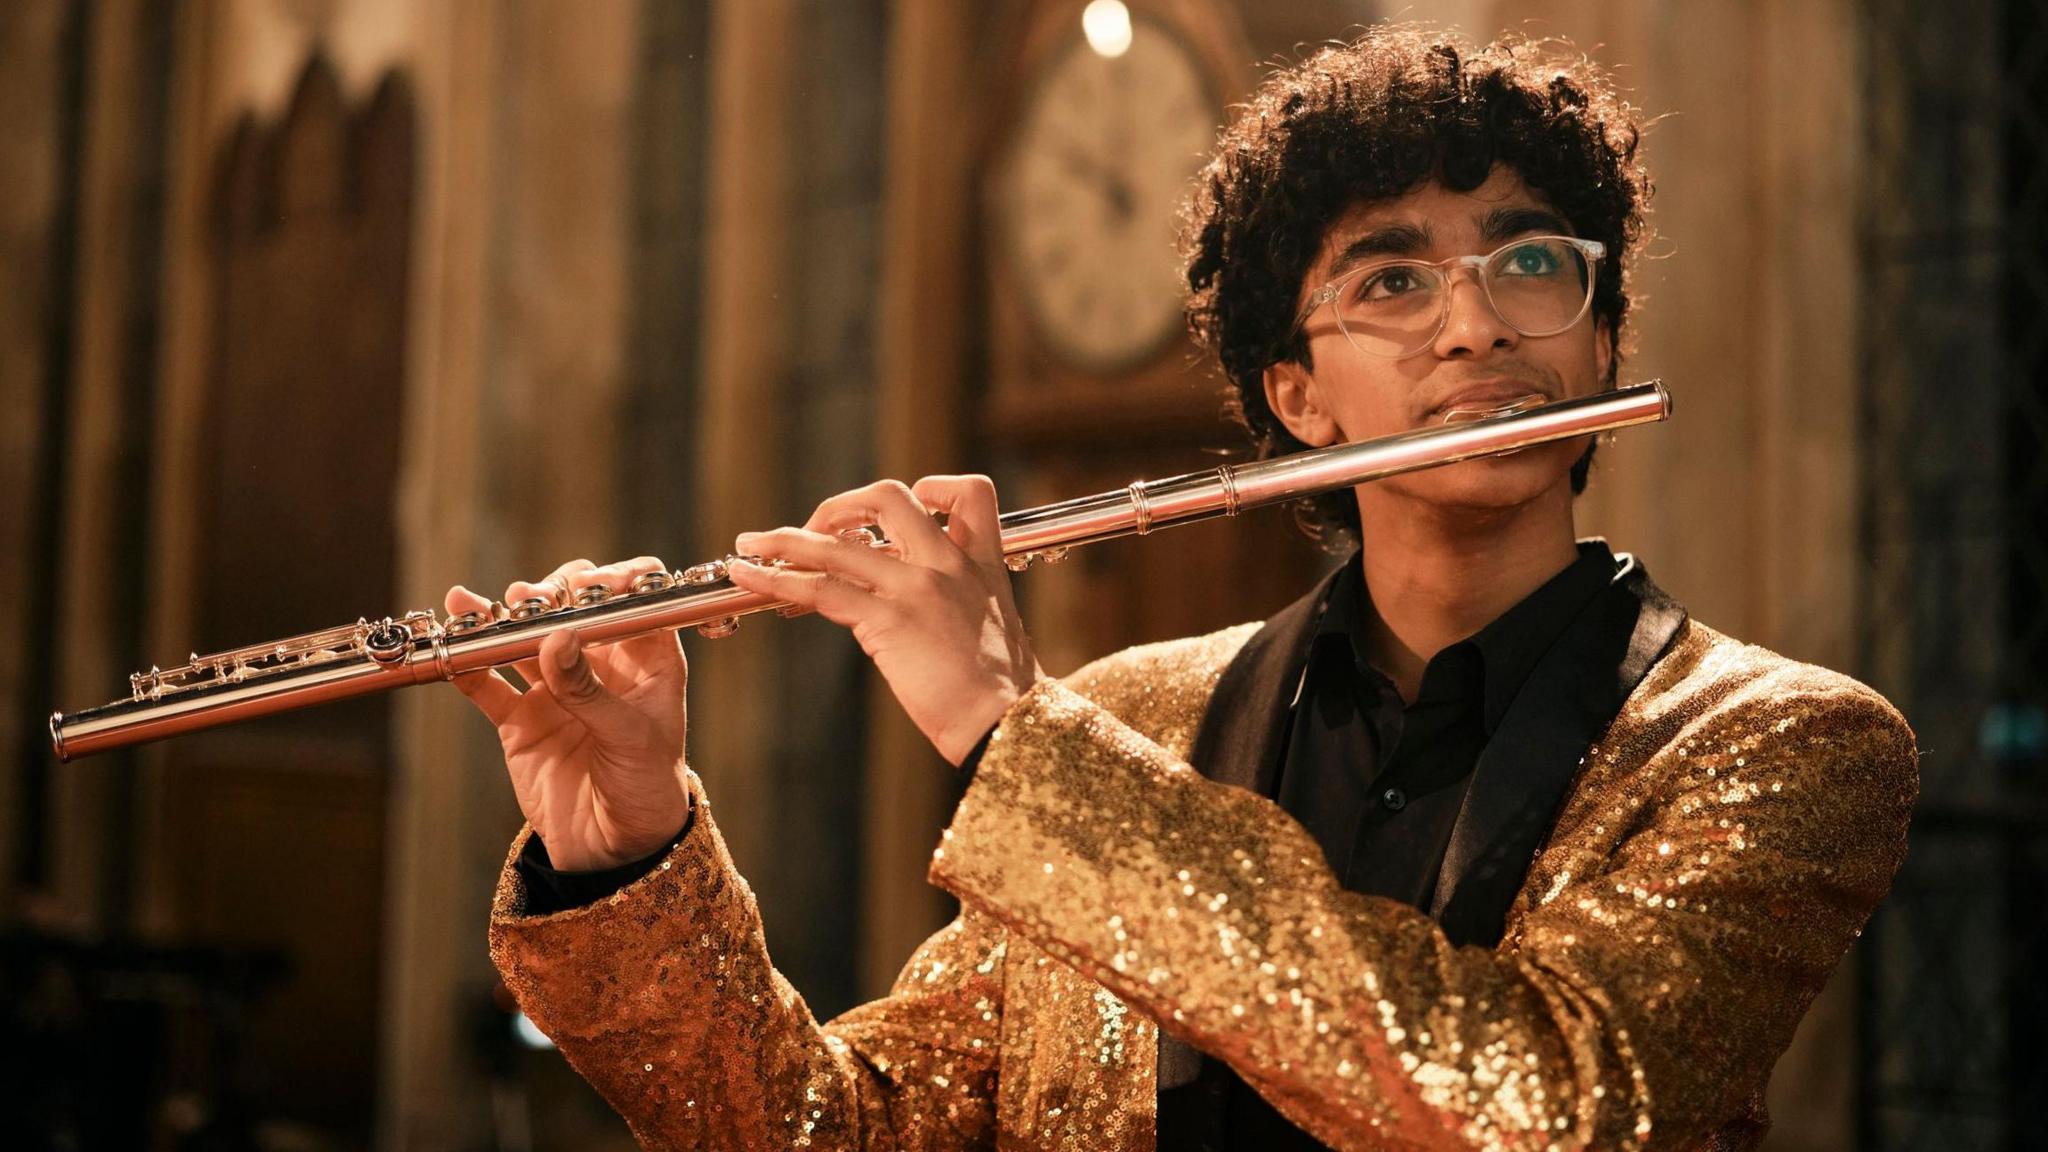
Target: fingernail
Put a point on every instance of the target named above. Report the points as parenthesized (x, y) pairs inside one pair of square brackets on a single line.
[(569, 654), (741, 541)]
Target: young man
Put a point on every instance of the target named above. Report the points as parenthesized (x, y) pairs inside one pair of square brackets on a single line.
[(1481, 843)]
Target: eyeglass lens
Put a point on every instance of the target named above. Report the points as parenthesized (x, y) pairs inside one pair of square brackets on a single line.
[(1538, 288)]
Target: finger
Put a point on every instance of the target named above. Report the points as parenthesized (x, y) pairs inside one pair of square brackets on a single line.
[(589, 586), (559, 578), (493, 695), (829, 596), (551, 594), (972, 519), (460, 600), (528, 672), (651, 653), (551, 591), (524, 595), (575, 686), (552, 588), (849, 560), (889, 505), (616, 578), (654, 654)]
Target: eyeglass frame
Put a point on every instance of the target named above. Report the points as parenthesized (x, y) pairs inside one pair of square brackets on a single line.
[(1593, 250)]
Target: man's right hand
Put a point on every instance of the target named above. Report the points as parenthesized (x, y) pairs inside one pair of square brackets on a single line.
[(594, 745)]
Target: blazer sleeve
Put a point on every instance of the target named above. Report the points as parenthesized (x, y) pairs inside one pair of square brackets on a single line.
[(1637, 1001), (662, 996)]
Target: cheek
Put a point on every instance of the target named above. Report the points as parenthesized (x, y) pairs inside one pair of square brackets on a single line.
[(1577, 364), (1362, 419), (1368, 406)]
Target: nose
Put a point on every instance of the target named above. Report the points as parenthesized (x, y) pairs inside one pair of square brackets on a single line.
[(1471, 326)]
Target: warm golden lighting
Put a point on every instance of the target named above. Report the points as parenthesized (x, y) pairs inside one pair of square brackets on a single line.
[(1107, 24)]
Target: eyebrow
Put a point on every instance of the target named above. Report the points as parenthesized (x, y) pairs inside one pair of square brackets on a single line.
[(1392, 240), (1409, 239), (1503, 223)]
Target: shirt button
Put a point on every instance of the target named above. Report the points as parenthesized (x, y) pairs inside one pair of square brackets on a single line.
[(1394, 799)]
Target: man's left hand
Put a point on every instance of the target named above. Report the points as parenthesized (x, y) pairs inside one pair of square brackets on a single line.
[(933, 609)]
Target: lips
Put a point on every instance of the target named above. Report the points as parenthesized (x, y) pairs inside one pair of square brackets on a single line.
[(1481, 403)]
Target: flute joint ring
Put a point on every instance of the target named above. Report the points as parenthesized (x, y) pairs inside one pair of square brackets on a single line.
[(1141, 507)]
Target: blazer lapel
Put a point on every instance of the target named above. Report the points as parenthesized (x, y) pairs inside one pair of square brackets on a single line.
[(1237, 743), (1531, 759), (1238, 740)]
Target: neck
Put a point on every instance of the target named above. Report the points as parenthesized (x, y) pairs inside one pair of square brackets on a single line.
[(1437, 575)]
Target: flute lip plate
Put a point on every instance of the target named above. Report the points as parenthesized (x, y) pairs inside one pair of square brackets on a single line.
[(1487, 409)]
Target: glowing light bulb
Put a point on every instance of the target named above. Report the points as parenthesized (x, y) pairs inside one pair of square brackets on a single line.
[(1107, 24)]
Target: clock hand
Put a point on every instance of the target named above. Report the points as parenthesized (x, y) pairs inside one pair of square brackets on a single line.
[(1083, 164), (1122, 203)]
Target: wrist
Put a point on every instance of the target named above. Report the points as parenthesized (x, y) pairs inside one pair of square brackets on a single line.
[(619, 853), (963, 736), (655, 833), (630, 829)]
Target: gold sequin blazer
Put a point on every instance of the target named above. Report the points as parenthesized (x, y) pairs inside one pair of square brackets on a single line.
[(1712, 856)]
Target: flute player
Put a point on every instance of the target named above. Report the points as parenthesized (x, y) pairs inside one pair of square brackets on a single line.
[(1483, 842)]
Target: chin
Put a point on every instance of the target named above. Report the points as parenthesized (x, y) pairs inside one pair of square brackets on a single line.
[(1494, 484)]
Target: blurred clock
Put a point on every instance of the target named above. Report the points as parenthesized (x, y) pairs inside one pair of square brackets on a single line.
[(1089, 192)]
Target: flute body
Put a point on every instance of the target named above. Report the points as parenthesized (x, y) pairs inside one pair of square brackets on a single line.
[(419, 648)]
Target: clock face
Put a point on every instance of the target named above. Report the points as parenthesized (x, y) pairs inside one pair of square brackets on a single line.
[(1091, 190)]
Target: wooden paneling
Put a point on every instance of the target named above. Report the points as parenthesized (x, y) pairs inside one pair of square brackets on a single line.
[(38, 178), (921, 359), (275, 830), (285, 858), (301, 445)]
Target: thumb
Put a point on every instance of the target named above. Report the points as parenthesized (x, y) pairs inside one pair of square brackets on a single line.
[(575, 686)]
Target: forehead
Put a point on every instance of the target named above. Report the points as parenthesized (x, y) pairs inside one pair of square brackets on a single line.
[(1438, 221)]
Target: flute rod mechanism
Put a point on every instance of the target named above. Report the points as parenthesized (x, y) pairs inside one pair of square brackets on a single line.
[(419, 648)]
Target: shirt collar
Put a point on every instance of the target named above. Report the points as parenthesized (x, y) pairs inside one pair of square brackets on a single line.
[(1496, 660)]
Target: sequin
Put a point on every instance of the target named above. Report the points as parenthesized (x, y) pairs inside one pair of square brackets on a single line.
[(1724, 842)]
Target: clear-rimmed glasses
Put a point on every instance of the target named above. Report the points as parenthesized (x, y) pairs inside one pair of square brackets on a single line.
[(1538, 285)]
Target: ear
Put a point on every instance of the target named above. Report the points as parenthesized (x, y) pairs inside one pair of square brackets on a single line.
[(1292, 394), (1603, 350)]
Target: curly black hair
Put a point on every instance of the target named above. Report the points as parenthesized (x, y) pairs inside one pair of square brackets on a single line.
[(1372, 120)]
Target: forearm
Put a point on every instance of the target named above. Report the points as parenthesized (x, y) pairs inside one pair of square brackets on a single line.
[(1615, 1015), (1212, 912), (663, 997)]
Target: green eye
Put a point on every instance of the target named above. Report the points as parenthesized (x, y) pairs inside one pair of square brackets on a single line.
[(1533, 260)]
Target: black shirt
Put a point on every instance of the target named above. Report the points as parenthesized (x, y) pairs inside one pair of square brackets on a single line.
[(1378, 782)]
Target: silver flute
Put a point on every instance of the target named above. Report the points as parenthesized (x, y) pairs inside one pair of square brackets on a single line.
[(420, 648)]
